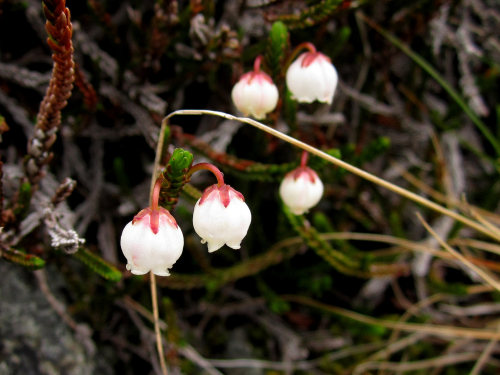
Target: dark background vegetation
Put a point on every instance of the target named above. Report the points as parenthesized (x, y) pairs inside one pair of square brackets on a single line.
[(236, 312)]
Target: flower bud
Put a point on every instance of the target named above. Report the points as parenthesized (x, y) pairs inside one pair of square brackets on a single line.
[(220, 217), (312, 77), (301, 189), (152, 241), (255, 94)]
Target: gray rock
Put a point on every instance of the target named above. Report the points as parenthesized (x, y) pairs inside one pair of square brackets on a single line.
[(33, 337)]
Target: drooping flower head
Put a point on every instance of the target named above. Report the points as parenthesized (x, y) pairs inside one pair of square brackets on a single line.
[(301, 189), (152, 241), (311, 77), (221, 216), (255, 94)]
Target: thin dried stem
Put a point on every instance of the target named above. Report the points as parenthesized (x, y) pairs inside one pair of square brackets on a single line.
[(154, 296), (158, 155), (481, 245), (485, 355), (141, 310), (485, 276), (448, 200), (159, 344), (395, 346), (445, 360), (433, 329), (481, 219), (407, 245), (357, 171)]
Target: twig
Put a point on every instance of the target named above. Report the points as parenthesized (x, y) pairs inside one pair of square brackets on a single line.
[(56, 305), (440, 197), (141, 310), (186, 350), (481, 219), (417, 365), (485, 276), (190, 353), (147, 337), (260, 364), (478, 366), (83, 332), (474, 310), (481, 245), (396, 346)]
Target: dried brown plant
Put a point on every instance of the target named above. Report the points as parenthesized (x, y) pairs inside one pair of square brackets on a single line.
[(59, 29)]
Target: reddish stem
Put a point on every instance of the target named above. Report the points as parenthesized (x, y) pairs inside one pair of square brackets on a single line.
[(155, 196), (155, 212), (256, 64), (209, 167), (305, 45), (303, 158)]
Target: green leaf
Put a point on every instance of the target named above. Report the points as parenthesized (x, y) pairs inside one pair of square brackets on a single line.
[(276, 48), (98, 265), (316, 13), (340, 39), (180, 160), (311, 237), (175, 177), (26, 260), (23, 201)]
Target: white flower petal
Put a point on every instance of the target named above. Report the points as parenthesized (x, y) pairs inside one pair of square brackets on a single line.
[(219, 225), (317, 81), (146, 251), (301, 194), (255, 95)]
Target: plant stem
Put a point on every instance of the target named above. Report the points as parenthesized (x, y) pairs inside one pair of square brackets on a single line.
[(485, 276), (155, 214), (159, 344), (303, 158), (155, 196), (209, 167), (256, 64), (306, 45)]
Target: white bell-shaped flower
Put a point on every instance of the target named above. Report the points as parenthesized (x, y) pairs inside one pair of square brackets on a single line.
[(220, 217), (311, 77), (152, 241), (255, 94), (301, 189)]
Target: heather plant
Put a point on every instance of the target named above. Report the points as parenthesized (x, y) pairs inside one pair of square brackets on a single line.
[(352, 227)]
